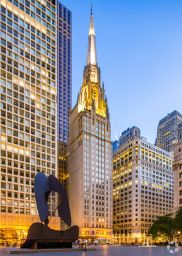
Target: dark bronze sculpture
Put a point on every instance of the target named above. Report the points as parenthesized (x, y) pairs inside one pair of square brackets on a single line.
[(39, 234)]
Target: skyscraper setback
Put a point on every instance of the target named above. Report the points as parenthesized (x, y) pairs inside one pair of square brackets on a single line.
[(28, 107), (90, 156)]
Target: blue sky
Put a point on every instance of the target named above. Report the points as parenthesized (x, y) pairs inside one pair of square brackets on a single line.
[(139, 49)]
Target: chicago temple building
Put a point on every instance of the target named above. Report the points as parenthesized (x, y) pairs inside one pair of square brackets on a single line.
[(90, 156)]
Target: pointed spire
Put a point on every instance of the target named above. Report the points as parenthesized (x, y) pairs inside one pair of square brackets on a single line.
[(91, 13), (91, 54)]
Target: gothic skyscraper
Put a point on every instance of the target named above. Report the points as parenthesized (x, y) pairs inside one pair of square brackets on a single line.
[(90, 153)]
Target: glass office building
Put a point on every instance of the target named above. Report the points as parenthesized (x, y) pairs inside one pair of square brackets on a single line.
[(28, 108), (64, 77)]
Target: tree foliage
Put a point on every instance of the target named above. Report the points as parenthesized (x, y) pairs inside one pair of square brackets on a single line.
[(167, 226), (178, 220)]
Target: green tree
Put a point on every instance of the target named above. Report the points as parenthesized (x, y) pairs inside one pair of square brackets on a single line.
[(163, 226), (178, 220)]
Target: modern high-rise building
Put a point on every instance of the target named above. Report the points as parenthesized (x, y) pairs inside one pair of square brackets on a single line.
[(142, 187), (28, 109), (64, 55), (177, 168), (90, 154), (167, 131)]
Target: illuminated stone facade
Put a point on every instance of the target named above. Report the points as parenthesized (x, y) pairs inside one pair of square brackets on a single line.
[(90, 156), (177, 168), (28, 106), (142, 187)]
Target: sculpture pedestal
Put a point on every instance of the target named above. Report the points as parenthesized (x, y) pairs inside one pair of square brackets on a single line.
[(43, 237), (48, 244)]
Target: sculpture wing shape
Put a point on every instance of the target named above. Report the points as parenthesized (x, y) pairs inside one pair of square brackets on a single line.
[(43, 186), (42, 191), (63, 208)]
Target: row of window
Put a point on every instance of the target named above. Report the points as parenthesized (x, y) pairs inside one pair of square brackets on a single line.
[(38, 12)]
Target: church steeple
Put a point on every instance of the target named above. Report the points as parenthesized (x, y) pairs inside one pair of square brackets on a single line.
[(92, 95), (91, 54)]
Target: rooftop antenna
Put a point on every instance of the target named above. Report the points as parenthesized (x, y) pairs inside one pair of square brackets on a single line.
[(91, 9)]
